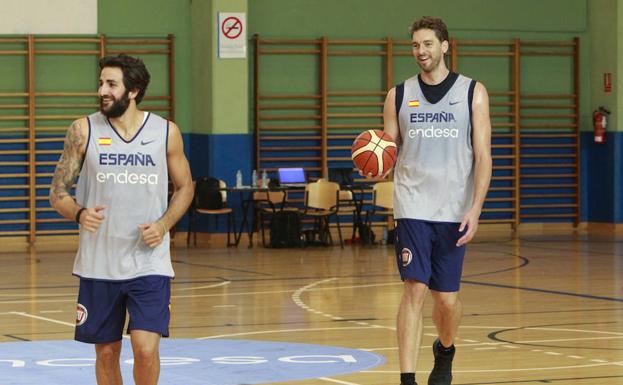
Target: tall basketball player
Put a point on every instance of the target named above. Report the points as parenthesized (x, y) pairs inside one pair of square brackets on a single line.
[(441, 179), (123, 158)]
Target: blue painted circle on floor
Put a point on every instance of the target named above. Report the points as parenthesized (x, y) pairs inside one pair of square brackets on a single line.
[(184, 361)]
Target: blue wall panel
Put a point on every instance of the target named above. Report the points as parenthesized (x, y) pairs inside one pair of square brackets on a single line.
[(599, 163), (219, 156), (601, 173)]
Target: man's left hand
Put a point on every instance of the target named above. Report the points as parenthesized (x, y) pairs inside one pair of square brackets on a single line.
[(470, 221), (153, 233)]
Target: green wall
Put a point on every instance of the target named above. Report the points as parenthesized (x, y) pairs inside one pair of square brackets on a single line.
[(373, 18), (603, 19), (220, 93), (466, 19), (156, 17), (202, 43), (213, 96)]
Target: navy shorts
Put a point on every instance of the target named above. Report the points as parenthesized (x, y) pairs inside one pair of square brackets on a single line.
[(427, 252), (102, 307)]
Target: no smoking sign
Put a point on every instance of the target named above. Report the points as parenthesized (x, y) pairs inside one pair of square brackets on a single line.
[(231, 27), (232, 42)]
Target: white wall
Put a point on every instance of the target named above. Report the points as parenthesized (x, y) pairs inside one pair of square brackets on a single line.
[(48, 17)]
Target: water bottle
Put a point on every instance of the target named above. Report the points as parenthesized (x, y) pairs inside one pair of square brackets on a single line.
[(238, 179), (384, 238), (264, 179), (254, 178)]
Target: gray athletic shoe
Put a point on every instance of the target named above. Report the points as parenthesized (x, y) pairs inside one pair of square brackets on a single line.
[(442, 371)]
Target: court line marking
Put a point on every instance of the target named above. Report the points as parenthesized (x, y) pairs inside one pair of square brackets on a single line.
[(203, 287), (276, 331), (600, 362), (39, 301), (20, 313), (336, 381), (616, 336), (546, 291), (503, 370), (503, 344), (231, 294), (172, 296), (37, 295), (366, 371), (572, 330), (74, 294), (296, 297), (23, 314)]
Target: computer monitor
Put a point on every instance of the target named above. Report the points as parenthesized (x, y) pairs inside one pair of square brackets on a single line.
[(291, 176)]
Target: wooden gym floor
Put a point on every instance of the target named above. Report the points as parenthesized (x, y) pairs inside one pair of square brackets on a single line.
[(544, 307)]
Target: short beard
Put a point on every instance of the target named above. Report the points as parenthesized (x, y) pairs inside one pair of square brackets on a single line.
[(118, 107), (433, 66)]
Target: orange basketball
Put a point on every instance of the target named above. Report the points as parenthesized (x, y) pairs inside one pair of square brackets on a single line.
[(374, 152)]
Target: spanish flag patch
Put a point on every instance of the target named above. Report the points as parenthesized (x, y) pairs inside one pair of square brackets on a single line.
[(414, 103), (104, 141)]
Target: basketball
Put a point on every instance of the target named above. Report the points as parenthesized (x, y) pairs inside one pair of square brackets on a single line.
[(374, 152)]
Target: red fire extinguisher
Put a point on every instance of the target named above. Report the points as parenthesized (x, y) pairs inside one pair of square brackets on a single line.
[(600, 121)]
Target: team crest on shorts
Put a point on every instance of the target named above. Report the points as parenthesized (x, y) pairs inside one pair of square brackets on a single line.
[(81, 314), (407, 256)]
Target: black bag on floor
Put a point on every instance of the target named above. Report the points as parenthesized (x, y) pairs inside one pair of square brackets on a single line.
[(285, 229), (366, 234)]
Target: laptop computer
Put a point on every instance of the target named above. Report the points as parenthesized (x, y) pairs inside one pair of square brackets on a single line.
[(291, 176)]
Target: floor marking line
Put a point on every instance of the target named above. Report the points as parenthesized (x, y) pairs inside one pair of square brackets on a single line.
[(204, 287), (51, 320), (43, 318), (566, 339), (574, 330), (37, 295), (276, 331), (503, 370), (37, 301), (336, 381)]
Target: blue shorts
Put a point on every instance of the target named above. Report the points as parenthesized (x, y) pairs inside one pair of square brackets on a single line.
[(102, 307), (427, 252)]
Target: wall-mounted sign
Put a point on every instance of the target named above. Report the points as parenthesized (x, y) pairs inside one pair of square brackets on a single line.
[(232, 35)]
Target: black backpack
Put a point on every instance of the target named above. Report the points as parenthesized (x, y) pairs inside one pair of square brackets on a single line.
[(285, 229), (208, 194), (366, 235)]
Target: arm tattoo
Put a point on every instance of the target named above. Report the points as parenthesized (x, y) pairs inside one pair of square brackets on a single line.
[(69, 164)]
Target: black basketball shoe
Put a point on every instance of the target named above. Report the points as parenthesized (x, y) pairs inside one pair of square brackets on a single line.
[(442, 371)]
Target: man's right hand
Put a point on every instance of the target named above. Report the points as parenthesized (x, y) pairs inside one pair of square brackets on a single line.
[(92, 218), (370, 176)]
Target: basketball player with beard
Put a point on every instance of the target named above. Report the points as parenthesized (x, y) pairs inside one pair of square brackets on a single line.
[(441, 178), (123, 158)]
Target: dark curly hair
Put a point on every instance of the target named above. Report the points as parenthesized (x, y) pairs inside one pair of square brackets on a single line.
[(135, 74), (434, 23)]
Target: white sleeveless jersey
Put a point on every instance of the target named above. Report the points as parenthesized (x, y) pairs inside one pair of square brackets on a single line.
[(131, 179), (433, 176)]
